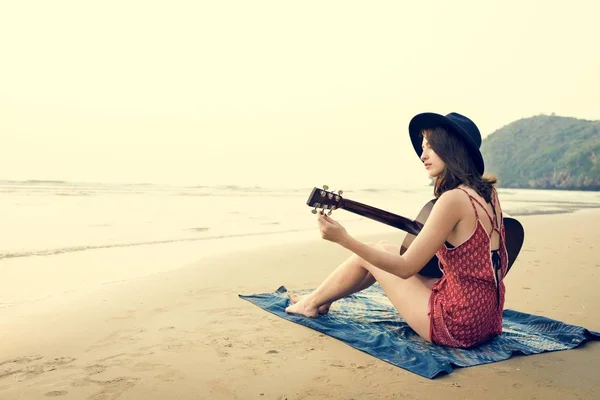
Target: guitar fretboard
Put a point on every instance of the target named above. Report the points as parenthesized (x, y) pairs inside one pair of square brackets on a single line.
[(383, 216)]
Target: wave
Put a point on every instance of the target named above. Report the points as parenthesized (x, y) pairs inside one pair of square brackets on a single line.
[(72, 249), (43, 182), (73, 194), (75, 188)]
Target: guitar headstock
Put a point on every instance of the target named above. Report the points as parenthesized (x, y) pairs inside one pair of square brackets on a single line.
[(324, 199)]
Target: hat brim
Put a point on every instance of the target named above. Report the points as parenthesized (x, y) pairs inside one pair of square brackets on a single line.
[(432, 120)]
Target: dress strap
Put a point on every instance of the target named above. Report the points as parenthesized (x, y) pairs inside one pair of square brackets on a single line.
[(492, 220), (497, 223), (471, 200)]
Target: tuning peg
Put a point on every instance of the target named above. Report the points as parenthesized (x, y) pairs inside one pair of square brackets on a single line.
[(329, 212), (314, 210), (340, 192), (325, 187)]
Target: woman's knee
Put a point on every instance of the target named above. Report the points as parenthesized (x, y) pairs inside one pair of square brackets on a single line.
[(381, 245)]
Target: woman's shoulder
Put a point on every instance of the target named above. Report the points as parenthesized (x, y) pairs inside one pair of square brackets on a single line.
[(452, 207), (453, 198), (459, 193)]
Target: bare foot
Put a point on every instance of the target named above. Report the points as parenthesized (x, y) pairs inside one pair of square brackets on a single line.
[(303, 308), (324, 309)]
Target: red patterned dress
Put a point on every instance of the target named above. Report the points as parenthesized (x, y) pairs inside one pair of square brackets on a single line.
[(466, 304)]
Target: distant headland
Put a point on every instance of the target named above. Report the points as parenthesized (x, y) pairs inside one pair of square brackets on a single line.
[(545, 152)]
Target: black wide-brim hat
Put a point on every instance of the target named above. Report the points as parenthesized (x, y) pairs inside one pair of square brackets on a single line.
[(455, 123)]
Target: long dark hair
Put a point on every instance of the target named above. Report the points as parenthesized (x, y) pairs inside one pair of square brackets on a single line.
[(460, 168)]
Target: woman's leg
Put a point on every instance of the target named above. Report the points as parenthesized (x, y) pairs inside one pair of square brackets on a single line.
[(409, 296), (324, 309), (367, 281), (343, 281)]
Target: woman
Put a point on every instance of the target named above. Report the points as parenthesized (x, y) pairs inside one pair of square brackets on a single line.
[(464, 229)]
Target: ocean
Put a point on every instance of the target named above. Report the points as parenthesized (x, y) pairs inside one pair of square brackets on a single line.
[(45, 218), (64, 237)]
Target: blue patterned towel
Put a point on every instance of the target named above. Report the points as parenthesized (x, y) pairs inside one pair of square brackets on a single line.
[(367, 321)]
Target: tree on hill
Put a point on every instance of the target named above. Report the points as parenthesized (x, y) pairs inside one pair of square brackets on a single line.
[(545, 152)]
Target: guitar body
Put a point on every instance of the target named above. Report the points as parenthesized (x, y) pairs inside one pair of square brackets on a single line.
[(322, 198), (431, 269), (515, 235)]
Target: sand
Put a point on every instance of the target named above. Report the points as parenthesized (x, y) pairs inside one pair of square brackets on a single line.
[(185, 334)]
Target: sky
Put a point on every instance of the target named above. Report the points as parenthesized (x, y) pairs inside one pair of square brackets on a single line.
[(275, 93)]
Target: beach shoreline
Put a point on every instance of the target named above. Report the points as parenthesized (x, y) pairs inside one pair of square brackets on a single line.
[(184, 333)]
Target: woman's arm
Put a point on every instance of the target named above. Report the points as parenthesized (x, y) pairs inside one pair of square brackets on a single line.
[(445, 215)]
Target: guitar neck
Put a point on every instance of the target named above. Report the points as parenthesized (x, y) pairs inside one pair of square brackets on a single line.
[(385, 217)]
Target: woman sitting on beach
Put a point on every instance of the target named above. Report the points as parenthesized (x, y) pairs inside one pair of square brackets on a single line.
[(465, 231)]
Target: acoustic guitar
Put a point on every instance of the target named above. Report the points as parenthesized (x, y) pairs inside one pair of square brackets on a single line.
[(327, 201)]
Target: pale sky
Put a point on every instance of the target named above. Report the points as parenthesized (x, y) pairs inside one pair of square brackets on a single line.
[(275, 92)]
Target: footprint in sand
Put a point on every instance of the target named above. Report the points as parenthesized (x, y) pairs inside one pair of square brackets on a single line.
[(166, 328), (113, 388), (179, 346), (22, 360), (60, 361), (24, 367), (94, 369), (38, 369), (56, 393), (15, 365), (117, 338), (146, 366), (169, 376), (6, 373)]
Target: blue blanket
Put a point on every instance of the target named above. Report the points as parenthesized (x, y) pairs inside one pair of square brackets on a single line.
[(367, 321)]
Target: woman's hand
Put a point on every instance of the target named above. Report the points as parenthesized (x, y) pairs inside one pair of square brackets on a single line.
[(330, 229)]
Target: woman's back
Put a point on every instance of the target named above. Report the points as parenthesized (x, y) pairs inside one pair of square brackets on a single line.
[(467, 303), (489, 213)]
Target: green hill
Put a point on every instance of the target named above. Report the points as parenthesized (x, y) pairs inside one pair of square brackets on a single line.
[(545, 152)]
